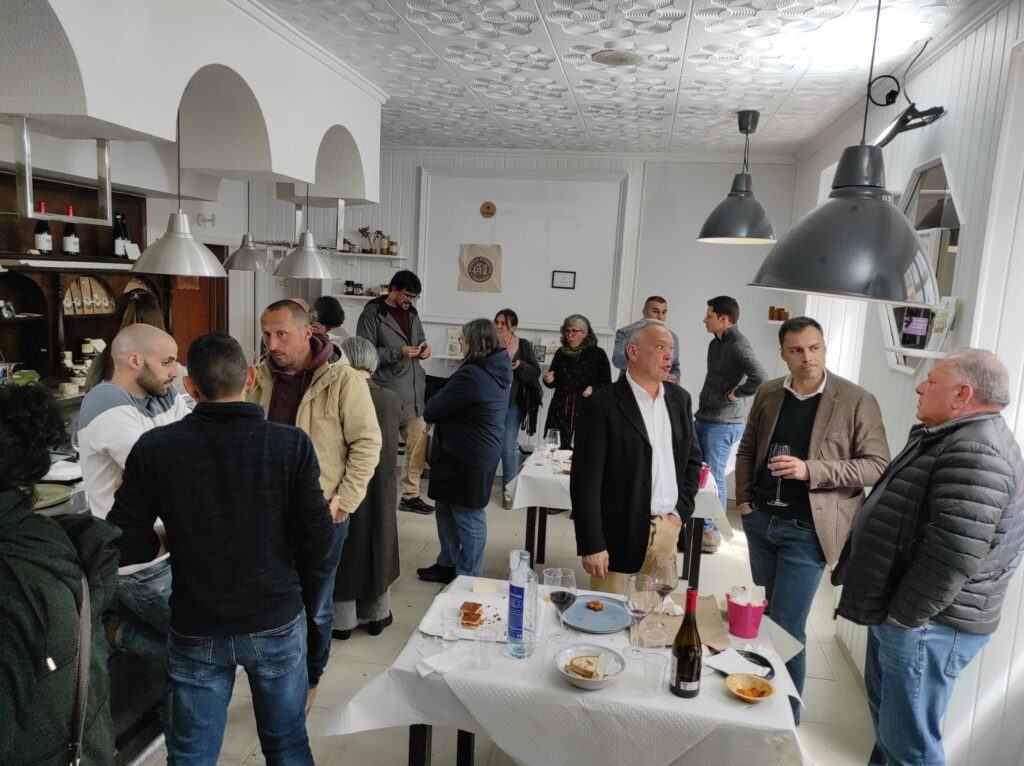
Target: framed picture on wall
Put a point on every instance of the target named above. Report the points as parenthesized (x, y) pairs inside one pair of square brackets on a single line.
[(563, 280)]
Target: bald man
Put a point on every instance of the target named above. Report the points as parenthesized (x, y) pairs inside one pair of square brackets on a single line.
[(114, 415)]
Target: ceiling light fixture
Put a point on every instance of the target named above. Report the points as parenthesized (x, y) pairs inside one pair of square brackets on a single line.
[(177, 252), (248, 257), (739, 219), (856, 244), (612, 58), (304, 261)]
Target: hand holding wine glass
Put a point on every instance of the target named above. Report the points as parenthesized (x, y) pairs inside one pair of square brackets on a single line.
[(778, 450), (641, 599)]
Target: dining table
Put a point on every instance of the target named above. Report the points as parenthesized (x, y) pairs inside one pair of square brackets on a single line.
[(543, 484), (534, 715)]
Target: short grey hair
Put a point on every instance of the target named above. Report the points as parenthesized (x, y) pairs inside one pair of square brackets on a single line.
[(482, 338), (983, 371), (635, 330), (361, 353)]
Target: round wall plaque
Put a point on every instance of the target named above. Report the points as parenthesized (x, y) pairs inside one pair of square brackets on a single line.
[(487, 210)]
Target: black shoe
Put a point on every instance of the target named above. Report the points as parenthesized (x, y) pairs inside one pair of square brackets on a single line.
[(376, 627), (436, 573), (341, 635), (415, 505), (555, 511)]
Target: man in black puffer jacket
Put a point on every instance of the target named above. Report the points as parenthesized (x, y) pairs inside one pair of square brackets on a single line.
[(932, 552)]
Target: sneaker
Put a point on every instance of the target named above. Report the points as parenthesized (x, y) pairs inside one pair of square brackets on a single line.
[(506, 500), (341, 635), (710, 541), (436, 573), (415, 505), (376, 627)]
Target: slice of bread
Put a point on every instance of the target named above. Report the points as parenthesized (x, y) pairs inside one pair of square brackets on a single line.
[(584, 667)]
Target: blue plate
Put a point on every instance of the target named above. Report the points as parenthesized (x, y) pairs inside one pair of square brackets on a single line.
[(611, 619)]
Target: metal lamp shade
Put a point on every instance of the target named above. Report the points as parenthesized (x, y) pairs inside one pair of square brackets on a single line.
[(248, 257), (739, 219), (178, 253), (304, 262), (856, 244)]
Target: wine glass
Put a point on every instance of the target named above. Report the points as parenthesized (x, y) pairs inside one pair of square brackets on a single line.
[(552, 441), (778, 450), (664, 579), (641, 599), (563, 595)]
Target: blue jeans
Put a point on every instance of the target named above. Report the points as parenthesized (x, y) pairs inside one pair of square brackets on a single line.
[(318, 597), (202, 670), (143, 608), (786, 558), (462, 532), (510, 445), (716, 440), (909, 675)]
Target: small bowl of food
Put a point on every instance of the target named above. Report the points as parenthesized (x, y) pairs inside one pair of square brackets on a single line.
[(589, 666), (749, 688)]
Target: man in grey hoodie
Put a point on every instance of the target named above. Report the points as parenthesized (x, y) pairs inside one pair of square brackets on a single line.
[(733, 373)]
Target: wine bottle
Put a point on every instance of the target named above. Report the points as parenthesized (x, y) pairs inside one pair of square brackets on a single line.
[(44, 242), (916, 322), (687, 653), (120, 236), (70, 244)]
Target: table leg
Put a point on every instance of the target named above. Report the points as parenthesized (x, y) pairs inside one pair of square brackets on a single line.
[(694, 529), (464, 748), (531, 532), (419, 744), (542, 534)]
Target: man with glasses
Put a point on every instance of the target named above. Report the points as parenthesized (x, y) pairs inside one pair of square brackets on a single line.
[(392, 324)]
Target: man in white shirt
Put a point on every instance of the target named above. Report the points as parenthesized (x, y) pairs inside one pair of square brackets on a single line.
[(114, 415), (636, 464)]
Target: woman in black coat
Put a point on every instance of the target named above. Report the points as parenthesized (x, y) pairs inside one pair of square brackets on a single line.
[(468, 414), (369, 563), (578, 369), (525, 374)]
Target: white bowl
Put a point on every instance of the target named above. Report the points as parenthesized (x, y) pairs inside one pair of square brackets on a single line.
[(563, 656)]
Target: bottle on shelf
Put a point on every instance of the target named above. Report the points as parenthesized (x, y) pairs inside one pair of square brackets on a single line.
[(687, 653), (522, 605), (43, 240), (70, 243), (121, 237), (916, 324)]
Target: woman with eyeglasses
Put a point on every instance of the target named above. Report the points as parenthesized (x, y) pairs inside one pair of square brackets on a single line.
[(578, 368)]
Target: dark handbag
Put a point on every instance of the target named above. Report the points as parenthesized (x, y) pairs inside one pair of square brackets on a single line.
[(528, 400), (81, 677)]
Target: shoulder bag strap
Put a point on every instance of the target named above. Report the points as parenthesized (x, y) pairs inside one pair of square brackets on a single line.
[(82, 678)]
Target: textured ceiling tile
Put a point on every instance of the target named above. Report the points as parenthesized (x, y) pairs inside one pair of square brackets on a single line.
[(616, 20), (761, 18), (658, 57), (500, 58), (520, 88), (472, 18), (624, 89)]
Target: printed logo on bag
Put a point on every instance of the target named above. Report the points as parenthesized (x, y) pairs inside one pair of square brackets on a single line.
[(480, 269)]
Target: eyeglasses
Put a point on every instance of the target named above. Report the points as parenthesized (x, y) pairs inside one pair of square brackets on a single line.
[(409, 296), (574, 331)]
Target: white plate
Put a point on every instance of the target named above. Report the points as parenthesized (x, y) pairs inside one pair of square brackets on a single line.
[(495, 613), (563, 656)]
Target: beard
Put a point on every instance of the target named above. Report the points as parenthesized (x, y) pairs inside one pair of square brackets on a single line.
[(150, 383)]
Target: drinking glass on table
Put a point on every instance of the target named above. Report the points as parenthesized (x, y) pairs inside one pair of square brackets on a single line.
[(563, 595), (552, 441), (778, 450), (641, 598), (665, 578)]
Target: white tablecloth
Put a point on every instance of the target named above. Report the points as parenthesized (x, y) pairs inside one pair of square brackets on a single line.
[(544, 720), (546, 486)]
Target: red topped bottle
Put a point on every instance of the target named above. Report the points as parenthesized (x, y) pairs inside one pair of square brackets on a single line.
[(687, 653), (43, 240), (70, 243)]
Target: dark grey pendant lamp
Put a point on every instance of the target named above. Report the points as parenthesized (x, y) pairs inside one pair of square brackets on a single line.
[(857, 244), (740, 219)]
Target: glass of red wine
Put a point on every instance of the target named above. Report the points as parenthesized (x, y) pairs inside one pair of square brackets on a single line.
[(778, 450), (641, 598), (665, 578), (562, 582)]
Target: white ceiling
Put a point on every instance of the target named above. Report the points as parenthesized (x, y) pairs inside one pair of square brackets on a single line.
[(518, 74)]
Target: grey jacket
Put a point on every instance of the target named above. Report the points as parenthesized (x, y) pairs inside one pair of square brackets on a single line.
[(732, 369), (942, 532), (396, 372)]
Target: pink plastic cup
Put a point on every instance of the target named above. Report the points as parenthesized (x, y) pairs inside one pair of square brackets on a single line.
[(705, 469), (745, 621)]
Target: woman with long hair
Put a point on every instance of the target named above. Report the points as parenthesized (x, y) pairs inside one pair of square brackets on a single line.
[(525, 376), (578, 368)]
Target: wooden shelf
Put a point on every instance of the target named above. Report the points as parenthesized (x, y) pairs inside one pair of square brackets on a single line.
[(343, 297), (12, 320), (774, 321), (917, 352), (29, 262), (368, 256)]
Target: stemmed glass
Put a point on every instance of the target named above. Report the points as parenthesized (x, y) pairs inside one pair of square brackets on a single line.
[(778, 450), (552, 441), (563, 595), (641, 599), (664, 579)]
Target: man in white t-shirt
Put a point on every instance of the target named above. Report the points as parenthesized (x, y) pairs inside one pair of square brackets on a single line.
[(114, 415)]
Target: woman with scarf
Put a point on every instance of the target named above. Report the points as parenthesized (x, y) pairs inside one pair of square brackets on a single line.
[(578, 368)]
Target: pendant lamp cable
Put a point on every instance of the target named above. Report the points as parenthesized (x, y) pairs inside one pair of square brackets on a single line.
[(178, 142), (746, 150), (871, 74)]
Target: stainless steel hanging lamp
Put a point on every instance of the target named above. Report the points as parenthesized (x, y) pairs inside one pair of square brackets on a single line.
[(248, 257), (304, 261)]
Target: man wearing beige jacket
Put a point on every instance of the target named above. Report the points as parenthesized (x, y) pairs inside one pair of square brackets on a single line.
[(813, 441), (307, 382)]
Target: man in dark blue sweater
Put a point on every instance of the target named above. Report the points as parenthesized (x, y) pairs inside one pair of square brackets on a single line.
[(241, 502)]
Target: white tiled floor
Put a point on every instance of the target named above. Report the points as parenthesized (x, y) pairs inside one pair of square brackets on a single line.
[(836, 728)]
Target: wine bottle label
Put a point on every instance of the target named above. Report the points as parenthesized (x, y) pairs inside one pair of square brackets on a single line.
[(119, 247), (44, 242), (71, 245), (686, 686)]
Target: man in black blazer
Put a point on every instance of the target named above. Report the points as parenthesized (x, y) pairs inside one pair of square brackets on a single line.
[(635, 466)]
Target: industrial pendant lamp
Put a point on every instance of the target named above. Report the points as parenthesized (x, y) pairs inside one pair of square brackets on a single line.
[(856, 244), (304, 261), (248, 257), (177, 252), (740, 219)]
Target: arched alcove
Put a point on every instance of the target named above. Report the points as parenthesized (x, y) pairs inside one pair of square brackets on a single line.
[(223, 130), (339, 173)]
